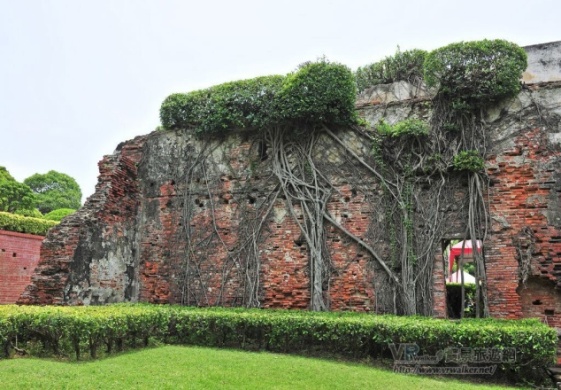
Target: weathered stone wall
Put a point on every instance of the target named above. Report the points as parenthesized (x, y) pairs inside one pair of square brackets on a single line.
[(174, 219), (19, 255), (544, 63)]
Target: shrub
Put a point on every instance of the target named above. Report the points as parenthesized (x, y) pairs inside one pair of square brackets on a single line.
[(406, 65), (317, 93), (476, 73), (29, 213), (411, 127), (58, 214), (468, 160), (18, 223)]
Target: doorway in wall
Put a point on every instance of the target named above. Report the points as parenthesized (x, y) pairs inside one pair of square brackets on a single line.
[(461, 277)]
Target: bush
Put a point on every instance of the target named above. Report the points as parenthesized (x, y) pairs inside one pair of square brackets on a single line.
[(407, 66), (476, 73), (317, 93), (412, 127), (468, 160), (29, 213), (58, 214), (18, 223)]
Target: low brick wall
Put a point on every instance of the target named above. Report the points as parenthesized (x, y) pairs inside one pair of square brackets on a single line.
[(19, 254)]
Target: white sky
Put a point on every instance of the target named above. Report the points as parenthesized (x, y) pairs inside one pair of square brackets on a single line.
[(78, 76)]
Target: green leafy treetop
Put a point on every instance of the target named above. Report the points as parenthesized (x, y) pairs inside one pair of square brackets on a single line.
[(5, 175), (14, 196), (55, 190)]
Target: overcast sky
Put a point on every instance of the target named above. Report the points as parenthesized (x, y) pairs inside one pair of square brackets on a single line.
[(78, 77)]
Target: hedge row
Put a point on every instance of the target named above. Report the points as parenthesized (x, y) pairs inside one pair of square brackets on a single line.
[(86, 330), (317, 93), (30, 225)]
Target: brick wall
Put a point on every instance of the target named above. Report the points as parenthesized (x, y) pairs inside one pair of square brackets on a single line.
[(19, 255), (525, 205)]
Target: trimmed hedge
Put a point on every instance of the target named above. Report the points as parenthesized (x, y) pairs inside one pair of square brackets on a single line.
[(317, 93), (58, 214), (18, 223), (86, 330), (237, 104), (34, 213)]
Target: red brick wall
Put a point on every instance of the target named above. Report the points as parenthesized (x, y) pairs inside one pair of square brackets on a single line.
[(19, 254), (525, 197)]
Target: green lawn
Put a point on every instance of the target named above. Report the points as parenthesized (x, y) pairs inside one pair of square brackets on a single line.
[(174, 367)]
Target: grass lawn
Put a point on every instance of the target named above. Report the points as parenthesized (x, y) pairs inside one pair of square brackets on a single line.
[(176, 367)]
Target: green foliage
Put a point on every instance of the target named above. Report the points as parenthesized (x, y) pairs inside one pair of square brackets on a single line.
[(29, 213), (55, 190), (78, 330), (5, 175), (58, 214), (18, 223), (406, 65), (469, 160), (474, 74), (15, 196), (407, 127), (318, 92), (238, 104)]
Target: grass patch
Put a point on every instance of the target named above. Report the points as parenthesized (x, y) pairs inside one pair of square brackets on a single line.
[(178, 367)]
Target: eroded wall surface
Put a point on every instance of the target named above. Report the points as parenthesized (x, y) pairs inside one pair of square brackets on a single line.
[(523, 249), (91, 256)]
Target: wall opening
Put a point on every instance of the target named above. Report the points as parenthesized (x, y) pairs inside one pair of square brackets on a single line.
[(461, 277)]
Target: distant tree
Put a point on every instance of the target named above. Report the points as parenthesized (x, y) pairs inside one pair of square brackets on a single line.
[(13, 195), (5, 175), (55, 190)]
